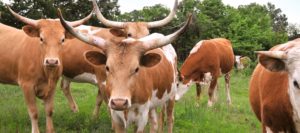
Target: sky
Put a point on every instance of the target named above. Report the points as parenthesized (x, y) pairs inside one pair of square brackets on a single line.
[(288, 7)]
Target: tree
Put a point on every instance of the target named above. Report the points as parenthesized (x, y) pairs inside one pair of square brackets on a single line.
[(72, 10)]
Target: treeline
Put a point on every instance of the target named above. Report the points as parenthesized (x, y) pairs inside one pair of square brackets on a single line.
[(250, 27)]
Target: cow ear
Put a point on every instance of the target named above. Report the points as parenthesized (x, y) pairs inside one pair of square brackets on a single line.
[(272, 64), (150, 60), (117, 32), (31, 31), (95, 58)]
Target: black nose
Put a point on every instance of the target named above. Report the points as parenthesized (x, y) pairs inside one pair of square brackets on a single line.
[(52, 62), (119, 104)]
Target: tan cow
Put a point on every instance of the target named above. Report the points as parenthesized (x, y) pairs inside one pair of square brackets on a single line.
[(274, 88), (140, 77), (214, 56), (31, 58), (79, 71)]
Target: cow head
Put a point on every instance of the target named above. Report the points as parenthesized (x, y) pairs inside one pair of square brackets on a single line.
[(125, 61), (135, 29), (51, 35), (285, 58), (182, 86)]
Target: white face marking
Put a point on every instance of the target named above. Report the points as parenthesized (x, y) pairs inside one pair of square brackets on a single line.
[(88, 29), (196, 47), (181, 89), (85, 78)]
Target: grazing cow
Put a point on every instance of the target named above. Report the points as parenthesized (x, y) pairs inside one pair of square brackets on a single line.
[(80, 71), (242, 62), (274, 88), (214, 56), (31, 58), (133, 86)]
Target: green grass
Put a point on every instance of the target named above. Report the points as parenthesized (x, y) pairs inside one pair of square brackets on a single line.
[(221, 118)]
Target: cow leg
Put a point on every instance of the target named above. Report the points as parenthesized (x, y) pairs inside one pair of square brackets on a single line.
[(99, 100), (49, 106), (161, 119), (29, 95), (211, 92), (227, 79), (198, 89), (170, 114), (65, 86), (153, 120)]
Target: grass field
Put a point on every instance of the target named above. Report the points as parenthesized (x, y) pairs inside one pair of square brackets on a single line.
[(221, 118)]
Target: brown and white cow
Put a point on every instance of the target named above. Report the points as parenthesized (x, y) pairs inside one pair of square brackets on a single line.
[(140, 77), (79, 71), (274, 88), (31, 58), (213, 56)]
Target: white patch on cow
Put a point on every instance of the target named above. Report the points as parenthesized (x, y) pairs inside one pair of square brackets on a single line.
[(88, 29), (119, 117), (85, 78), (65, 83), (170, 53), (155, 101), (182, 89), (196, 47), (268, 130), (140, 117)]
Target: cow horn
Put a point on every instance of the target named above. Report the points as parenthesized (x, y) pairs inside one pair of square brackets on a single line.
[(154, 41), (89, 39), (25, 20), (273, 54), (105, 21), (165, 20), (80, 22)]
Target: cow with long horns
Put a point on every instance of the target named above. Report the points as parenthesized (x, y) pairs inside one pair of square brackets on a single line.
[(274, 88), (133, 86), (31, 58), (79, 71)]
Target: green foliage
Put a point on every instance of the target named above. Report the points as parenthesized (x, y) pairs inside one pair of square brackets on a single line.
[(71, 9), (221, 118)]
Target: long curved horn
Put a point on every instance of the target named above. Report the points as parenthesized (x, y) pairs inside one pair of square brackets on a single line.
[(158, 40), (80, 22), (165, 20), (89, 39), (273, 54), (25, 20), (105, 21)]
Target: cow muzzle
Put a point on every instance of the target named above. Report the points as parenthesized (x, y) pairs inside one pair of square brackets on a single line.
[(119, 104), (51, 62)]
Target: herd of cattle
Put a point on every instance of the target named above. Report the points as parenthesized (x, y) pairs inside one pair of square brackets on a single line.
[(136, 72)]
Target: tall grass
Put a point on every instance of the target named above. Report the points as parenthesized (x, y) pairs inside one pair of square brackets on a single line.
[(220, 118)]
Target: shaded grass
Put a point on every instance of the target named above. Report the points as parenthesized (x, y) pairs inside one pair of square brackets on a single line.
[(221, 118)]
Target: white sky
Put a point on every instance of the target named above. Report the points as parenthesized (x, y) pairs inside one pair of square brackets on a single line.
[(289, 7)]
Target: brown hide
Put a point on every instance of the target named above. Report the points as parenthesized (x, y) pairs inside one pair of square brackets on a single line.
[(213, 55), (23, 55), (147, 80)]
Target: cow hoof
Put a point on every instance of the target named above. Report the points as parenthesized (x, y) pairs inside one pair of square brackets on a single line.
[(75, 109), (209, 104)]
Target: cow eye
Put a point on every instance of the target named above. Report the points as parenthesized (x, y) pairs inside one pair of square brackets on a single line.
[(136, 70), (63, 40), (41, 39), (296, 84), (129, 35), (107, 68)]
